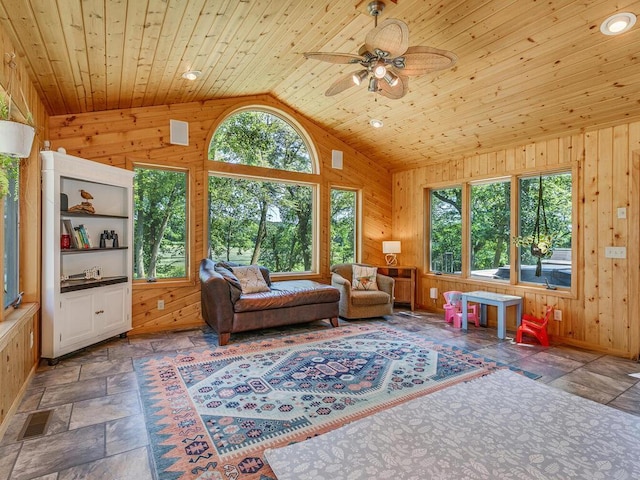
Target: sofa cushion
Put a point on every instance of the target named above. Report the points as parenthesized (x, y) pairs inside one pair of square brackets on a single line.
[(369, 297), (251, 279), (288, 293), (364, 277), (263, 270), (235, 289)]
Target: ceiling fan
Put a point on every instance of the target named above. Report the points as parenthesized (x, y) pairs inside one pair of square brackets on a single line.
[(386, 59)]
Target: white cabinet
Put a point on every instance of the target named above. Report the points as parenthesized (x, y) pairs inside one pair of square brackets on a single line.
[(86, 286)]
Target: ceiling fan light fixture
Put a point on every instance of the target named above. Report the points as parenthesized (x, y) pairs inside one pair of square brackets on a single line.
[(373, 84), (380, 70), (191, 74), (392, 79), (618, 23), (359, 77)]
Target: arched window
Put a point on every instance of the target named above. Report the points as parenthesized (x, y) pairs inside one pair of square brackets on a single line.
[(262, 139), (257, 217)]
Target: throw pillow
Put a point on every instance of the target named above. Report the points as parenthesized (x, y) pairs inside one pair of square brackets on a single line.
[(235, 289), (364, 278), (251, 279)]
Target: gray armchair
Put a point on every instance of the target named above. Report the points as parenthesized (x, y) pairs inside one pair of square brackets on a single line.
[(362, 303)]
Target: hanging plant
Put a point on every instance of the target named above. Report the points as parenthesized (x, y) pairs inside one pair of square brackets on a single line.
[(540, 242)]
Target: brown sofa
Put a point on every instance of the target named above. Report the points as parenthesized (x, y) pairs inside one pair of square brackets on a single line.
[(227, 310)]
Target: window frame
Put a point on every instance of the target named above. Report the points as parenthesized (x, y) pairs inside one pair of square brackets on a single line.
[(514, 266), (315, 216), (358, 221), (188, 279)]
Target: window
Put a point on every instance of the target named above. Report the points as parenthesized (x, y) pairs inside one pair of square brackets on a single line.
[(556, 189), (262, 139), (160, 223), (490, 228), (266, 218), (265, 222), (11, 242), (446, 230), (343, 226)]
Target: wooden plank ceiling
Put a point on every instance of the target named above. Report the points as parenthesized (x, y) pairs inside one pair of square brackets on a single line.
[(527, 68)]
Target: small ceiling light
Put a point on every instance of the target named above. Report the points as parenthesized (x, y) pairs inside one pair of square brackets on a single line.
[(375, 123), (380, 70), (359, 77), (191, 74), (392, 79), (618, 23)]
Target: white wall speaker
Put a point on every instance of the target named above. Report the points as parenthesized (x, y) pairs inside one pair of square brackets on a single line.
[(179, 132), (336, 159)]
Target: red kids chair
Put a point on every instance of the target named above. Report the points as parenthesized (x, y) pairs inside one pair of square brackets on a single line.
[(453, 309), (535, 326)]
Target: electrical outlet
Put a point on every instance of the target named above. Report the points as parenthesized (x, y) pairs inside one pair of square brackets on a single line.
[(160, 304), (557, 315), (615, 252)]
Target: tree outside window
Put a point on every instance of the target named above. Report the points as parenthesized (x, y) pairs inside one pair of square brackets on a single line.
[(263, 220), (556, 188), (343, 226), (490, 228), (160, 223), (11, 241), (446, 230)]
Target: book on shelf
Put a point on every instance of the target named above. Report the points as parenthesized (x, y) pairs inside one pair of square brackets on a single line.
[(83, 236), (68, 226)]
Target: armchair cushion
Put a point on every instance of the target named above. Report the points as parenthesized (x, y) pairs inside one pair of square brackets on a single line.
[(364, 278), (368, 297)]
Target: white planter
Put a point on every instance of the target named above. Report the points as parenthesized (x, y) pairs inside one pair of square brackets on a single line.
[(16, 138)]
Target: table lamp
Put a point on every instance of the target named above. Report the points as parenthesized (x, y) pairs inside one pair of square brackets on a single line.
[(390, 248)]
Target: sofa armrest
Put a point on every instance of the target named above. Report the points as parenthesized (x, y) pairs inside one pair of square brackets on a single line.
[(215, 298), (385, 284), (340, 283)]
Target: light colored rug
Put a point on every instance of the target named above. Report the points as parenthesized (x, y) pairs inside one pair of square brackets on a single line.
[(212, 412), (501, 426)]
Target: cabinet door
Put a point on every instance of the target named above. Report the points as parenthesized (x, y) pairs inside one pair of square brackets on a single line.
[(112, 316), (77, 318)]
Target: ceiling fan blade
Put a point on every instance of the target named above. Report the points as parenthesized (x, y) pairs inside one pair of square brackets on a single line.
[(333, 57), (391, 36), (340, 85), (399, 91), (420, 60)]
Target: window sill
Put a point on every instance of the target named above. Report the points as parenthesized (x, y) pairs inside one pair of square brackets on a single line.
[(14, 319)]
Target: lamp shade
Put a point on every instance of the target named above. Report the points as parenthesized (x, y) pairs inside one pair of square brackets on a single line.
[(392, 246)]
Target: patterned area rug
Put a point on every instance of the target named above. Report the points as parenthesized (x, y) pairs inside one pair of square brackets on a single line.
[(212, 413)]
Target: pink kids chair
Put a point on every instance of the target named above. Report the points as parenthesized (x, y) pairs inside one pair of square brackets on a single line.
[(453, 309), (535, 326)]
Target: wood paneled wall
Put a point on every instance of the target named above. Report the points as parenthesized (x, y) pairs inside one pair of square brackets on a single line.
[(141, 135), (602, 309)]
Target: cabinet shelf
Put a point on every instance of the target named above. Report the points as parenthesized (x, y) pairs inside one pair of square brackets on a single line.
[(84, 284), (74, 251), (67, 213)]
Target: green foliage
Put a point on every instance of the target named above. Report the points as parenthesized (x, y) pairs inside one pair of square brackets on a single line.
[(343, 226), (9, 170), (446, 229), (160, 219), (490, 217), (256, 221)]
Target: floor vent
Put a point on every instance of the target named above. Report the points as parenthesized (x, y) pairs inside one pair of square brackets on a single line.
[(35, 425)]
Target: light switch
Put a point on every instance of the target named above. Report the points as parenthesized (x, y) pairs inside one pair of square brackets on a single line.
[(615, 252)]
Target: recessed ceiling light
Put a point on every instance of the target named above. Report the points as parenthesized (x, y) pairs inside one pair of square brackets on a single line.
[(618, 23), (191, 74), (375, 123)]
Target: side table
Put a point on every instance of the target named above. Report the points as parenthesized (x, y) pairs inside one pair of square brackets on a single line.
[(405, 283)]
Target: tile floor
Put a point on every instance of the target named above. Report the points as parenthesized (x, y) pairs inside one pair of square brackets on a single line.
[(97, 430)]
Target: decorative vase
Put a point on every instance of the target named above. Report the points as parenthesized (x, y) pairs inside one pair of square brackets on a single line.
[(16, 138)]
